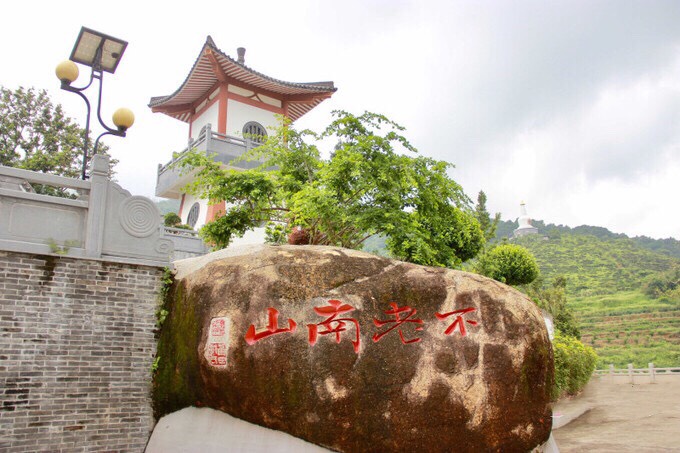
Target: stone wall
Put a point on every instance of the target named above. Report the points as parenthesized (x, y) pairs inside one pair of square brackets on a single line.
[(76, 350)]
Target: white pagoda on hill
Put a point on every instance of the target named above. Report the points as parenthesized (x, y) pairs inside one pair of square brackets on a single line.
[(524, 221), (225, 104)]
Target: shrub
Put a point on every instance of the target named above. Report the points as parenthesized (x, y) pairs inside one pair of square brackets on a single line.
[(183, 226), (574, 364), (662, 284), (508, 263), (171, 219)]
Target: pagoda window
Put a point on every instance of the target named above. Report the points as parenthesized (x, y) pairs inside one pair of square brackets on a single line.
[(255, 131), (192, 218)]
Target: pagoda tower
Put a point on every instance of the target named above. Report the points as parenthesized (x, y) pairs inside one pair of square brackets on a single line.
[(524, 221), (226, 106)]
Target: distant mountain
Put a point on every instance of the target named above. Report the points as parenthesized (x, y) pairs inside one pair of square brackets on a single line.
[(669, 246), (166, 206)]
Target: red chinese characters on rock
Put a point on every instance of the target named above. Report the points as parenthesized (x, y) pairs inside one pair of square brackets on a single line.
[(459, 322), (333, 324), (218, 354), (397, 322), (271, 329)]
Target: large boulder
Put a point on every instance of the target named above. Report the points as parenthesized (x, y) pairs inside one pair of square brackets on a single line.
[(355, 352)]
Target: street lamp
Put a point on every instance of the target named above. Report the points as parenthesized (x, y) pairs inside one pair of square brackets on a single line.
[(102, 53)]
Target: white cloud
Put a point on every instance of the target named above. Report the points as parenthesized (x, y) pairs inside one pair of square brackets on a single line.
[(572, 107)]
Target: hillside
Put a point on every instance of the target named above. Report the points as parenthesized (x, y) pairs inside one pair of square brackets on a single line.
[(593, 265), (605, 274), (669, 246)]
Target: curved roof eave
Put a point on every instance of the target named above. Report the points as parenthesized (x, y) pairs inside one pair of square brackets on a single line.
[(203, 77)]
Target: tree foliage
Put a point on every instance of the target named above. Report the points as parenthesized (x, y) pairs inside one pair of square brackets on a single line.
[(368, 186), (172, 220), (488, 225), (508, 263), (553, 299), (36, 135)]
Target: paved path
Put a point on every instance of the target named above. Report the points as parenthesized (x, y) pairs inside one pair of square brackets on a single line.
[(616, 416)]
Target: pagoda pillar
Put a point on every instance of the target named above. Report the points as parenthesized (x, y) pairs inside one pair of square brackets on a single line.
[(223, 97)]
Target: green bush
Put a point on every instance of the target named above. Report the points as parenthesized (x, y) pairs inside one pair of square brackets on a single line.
[(508, 263), (183, 226), (171, 219), (662, 284), (574, 364)]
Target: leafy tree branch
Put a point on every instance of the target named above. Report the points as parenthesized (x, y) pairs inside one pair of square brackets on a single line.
[(373, 182)]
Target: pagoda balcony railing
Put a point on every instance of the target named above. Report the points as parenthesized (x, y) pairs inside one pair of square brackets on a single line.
[(187, 242), (226, 149)]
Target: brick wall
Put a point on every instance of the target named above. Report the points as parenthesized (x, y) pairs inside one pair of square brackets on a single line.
[(76, 349)]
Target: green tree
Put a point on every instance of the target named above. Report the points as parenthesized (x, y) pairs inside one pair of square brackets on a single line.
[(488, 225), (450, 238), (508, 263), (368, 186), (36, 135), (553, 299)]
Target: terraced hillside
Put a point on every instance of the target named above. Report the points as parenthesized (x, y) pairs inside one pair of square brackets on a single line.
[(629, 327), (605, 277)]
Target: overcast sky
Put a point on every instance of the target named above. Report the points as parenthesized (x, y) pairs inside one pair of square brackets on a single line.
[(571, 106)]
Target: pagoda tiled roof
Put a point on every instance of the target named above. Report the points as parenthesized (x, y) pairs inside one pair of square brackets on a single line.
[(213, 66)]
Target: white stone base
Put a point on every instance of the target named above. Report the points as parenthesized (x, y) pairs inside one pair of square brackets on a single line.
[(209, 431)]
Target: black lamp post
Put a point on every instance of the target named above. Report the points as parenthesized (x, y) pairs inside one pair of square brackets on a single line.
[(102, 53)]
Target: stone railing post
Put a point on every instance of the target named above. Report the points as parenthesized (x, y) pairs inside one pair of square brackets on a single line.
[(651, 372), (611, 369), (630, 373), (99, 185)]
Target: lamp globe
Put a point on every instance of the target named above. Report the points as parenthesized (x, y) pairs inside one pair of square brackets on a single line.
[(67, 71), (123, 118)]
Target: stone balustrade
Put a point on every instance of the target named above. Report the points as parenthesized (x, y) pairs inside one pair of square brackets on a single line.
[(99, 219)]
